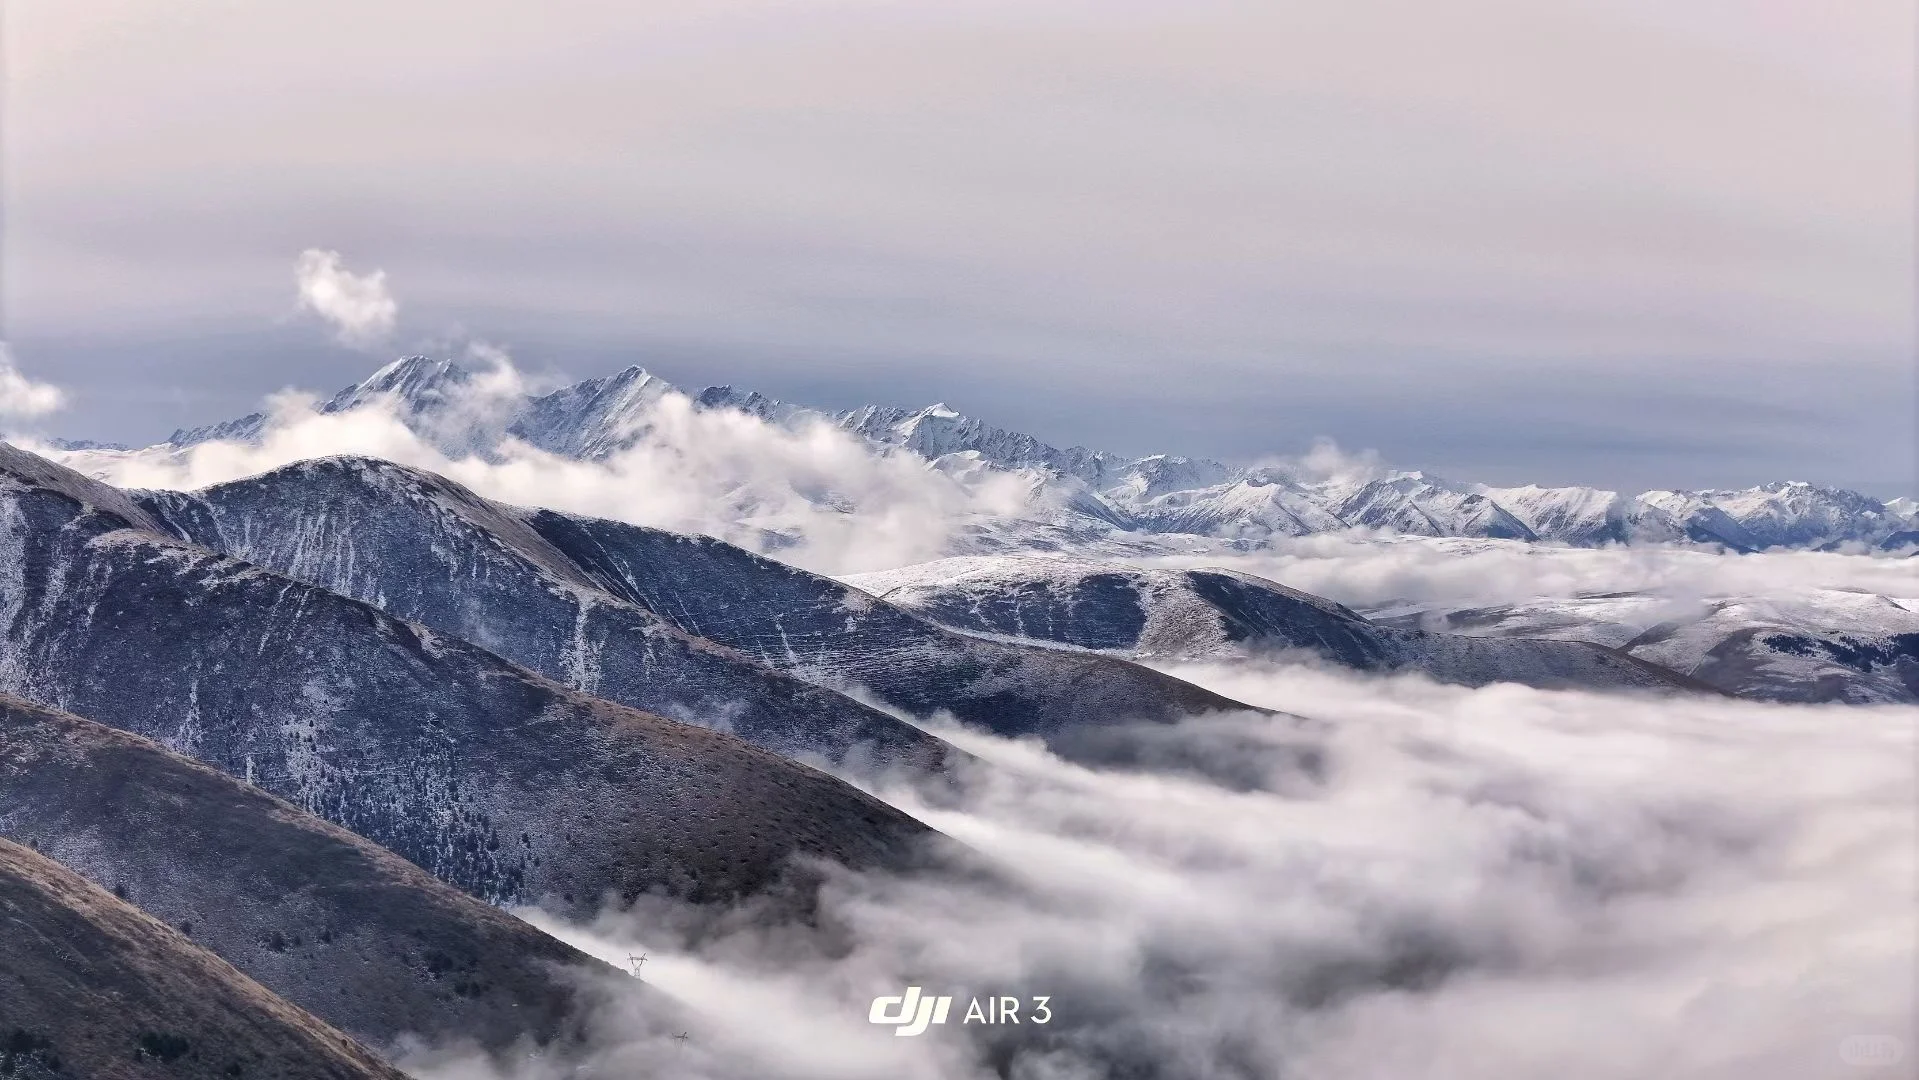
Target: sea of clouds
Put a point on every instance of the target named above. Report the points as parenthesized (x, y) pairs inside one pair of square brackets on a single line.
[(1417, 881)]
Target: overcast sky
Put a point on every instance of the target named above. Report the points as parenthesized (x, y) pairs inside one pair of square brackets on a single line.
[(1633, 243)]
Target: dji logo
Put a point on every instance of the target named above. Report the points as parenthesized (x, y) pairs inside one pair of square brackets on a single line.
[(1872, 1051), (911, 1014)]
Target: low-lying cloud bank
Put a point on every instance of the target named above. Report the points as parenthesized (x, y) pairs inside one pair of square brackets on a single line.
[(1420, 881), (1370, 571), (819, 497)]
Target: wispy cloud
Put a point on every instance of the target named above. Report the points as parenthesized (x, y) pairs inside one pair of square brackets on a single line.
[(359, 307)]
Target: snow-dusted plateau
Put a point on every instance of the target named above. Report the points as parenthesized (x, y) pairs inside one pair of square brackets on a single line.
[(479, 729)]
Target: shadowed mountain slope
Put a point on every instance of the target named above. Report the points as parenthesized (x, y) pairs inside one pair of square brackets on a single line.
[(341, 927), (828, 630)]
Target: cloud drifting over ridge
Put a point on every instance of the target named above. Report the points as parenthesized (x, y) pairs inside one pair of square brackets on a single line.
[(1422, 881), (811, 493), (821, 498), (359, 307)]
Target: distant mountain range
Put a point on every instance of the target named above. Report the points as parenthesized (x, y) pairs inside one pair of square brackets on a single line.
[(1082, 499), (1819, 645)]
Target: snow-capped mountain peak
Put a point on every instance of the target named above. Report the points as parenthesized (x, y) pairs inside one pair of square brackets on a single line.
[(595, 418), (1081, 496)]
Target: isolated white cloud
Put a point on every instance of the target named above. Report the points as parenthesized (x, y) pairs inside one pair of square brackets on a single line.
[(359, 307), (1422, 881), (21, 396), (1327, 460)]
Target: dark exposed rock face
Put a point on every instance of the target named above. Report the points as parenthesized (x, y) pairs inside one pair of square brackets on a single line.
[(493, 779), (92, 988), (656, 618), (429, 551), (333, 923)]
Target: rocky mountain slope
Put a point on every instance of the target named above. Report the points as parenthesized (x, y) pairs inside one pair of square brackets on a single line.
[(684, 625), (92, 987), (1215, 614), (493, 779), (427, 550), (333, 923), (1083, 498)]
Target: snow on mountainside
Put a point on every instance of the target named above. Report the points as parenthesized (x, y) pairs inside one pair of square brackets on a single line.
[(1256, 506), (431, 552), (1586, 516), (1799, 645), (474, 769), (592, 419), (1798, 514), (1090, 500), (688, 627), (1427, 506)]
